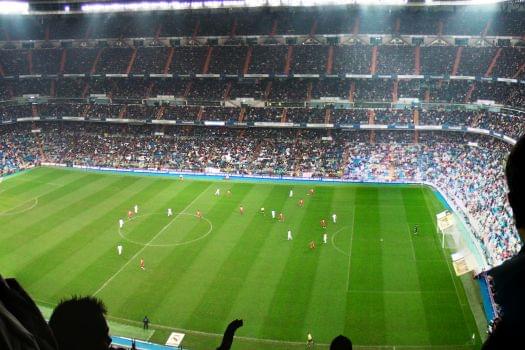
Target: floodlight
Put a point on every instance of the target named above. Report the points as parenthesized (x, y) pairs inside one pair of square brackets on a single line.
[(14, 7)]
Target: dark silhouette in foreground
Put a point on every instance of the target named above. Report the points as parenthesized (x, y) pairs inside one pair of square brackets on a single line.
[(509, 278), (80, 324), (341, 343), (227, 338)]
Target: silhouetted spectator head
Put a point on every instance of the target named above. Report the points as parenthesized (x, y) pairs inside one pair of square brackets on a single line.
[(515, 172), (341, 343), (80, 324)]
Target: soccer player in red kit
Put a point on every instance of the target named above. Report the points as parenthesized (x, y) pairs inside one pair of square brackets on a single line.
[(300, 203), (323, 223), (281, 217), (141, 263), (241, 209), (130, 214), (311, 192), (311, 245), (198, 214)]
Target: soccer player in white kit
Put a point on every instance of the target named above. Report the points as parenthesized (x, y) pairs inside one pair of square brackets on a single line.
[(119, 249), (121, 223), (170, 212), (218, 192), (334, 218), (273, 214), (290, 194), (136, 209), (290, 235), (325, 238)]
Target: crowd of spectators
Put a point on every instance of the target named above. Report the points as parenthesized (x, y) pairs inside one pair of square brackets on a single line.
[(468, 168), (310, 58)]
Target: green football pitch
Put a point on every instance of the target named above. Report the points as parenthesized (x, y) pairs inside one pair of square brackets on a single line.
[(374, 280)]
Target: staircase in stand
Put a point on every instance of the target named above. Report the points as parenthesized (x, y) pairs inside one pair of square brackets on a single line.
[(470, 90)]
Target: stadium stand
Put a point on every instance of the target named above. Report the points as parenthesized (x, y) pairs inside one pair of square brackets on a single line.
[(272, 78)]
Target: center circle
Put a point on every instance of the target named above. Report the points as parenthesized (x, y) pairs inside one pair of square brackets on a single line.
[(160, 230)]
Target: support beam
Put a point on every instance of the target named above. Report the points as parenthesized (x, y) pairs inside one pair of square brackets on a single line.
[(457, 61), (395, 86), (94, 67), (520, 70), (351, 93), (187, 90), (417, 59), (30, 61), (327, 116), (493, 63), (283, 115), (196, 29), (233, 30), (440, 28), (330, 60), (313, 28), (288, 62), (122, 112), (63, 58), (200, 113), (167, 65), (160, 112), (355, 28), (373, 60), (131, 61), (227, 91), (470, 90), (397, 26), (267, 90), (247, 60), (309, 88), (487, 27), (206, 66), (273, 31), (52, 88), (242, 113)]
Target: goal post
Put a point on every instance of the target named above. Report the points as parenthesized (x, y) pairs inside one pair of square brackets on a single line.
[(453, 239)]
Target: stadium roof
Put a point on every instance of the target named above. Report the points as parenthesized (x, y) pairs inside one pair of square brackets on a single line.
[(87, 6)]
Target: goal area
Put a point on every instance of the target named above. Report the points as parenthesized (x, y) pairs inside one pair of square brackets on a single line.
[(455, 239)]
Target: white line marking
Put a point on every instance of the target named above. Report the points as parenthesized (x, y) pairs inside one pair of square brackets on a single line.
[(350, 249), (121, 234), (146, 245), (12, 211), (335, 246)]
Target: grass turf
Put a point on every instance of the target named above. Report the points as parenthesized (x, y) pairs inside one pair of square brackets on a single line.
[(374, 281)]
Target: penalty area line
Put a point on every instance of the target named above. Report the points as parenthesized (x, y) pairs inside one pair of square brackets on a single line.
[(104, 285)]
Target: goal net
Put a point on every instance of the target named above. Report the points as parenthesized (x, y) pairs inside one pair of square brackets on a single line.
[(453, 239)]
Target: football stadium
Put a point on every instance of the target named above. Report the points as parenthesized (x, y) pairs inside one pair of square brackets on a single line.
[(259, 174)]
